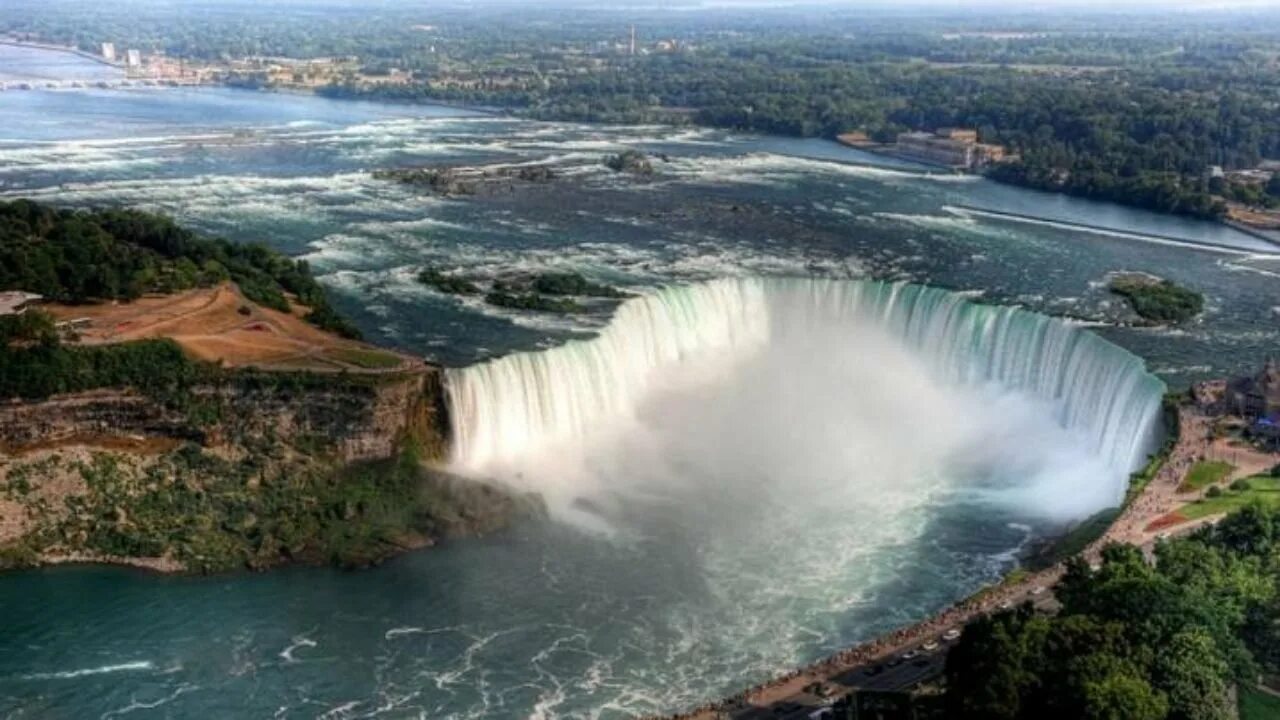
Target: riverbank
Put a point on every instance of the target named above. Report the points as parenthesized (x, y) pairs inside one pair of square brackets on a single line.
[(787, 695), (14, 42), (1150, 237)]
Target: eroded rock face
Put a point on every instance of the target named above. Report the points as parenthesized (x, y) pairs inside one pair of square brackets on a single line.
[(94, 414), (256, 471), (355, 418)]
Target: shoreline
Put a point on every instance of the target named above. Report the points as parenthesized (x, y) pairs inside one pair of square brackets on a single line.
[(67, 49), (1154, 237), (1130, 524)]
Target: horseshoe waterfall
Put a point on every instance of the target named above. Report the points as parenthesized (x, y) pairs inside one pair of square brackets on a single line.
[(1094, 390)]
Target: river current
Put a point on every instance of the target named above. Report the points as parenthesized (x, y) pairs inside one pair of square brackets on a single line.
[(770, 533)]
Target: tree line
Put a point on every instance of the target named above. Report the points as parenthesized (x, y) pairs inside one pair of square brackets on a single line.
[(82, 256), (1135, 640)]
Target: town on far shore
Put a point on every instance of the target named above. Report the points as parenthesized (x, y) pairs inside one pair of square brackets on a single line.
[(1244, 197)]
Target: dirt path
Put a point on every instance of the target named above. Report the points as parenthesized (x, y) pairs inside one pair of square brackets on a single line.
[(219, 324)]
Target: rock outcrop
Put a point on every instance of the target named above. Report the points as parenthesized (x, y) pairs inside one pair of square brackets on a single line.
[(359, 418), (255, 470)]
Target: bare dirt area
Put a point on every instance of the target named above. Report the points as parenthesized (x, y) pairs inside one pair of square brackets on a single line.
[(219, 324)]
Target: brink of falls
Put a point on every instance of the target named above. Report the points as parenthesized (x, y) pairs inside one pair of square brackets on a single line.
[(506, 408)]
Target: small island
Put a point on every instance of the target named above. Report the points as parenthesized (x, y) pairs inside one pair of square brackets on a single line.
[(629, 161), (549, 292), (1157, 301), (451, 181)]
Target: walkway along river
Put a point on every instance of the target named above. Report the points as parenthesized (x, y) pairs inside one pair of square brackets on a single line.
[(785, 696)]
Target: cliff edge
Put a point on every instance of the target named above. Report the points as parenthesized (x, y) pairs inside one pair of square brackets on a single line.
[(194, 405)]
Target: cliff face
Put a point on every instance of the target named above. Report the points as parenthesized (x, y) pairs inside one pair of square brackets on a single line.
[(355, 421), (255, 471)]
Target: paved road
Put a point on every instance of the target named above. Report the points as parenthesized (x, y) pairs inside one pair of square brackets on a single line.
[(888, 674)]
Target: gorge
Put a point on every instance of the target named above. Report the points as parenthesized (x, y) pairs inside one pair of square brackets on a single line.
[(760, 459)]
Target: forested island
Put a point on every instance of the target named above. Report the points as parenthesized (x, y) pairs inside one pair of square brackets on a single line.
[(1155, 111), (550, 292), (182, 402), (1156, 300)]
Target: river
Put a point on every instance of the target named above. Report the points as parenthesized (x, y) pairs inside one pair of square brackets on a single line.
[(753, 546)]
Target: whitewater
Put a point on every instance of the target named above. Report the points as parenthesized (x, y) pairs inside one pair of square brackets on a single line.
[(745, 474), (515, 413)]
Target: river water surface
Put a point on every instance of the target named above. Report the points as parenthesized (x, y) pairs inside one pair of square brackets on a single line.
[(789, 515)]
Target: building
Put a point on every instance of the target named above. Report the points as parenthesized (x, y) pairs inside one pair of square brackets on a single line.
[(953, 147), (961, 134), (17, 302), (1257, 400), (133, 58), (109, 52), (1259, 396)]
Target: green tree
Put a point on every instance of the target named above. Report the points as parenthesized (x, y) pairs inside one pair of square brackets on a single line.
[(1194, 676)]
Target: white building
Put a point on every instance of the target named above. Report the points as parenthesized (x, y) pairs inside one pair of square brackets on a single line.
[(109, 52), (133, 59)]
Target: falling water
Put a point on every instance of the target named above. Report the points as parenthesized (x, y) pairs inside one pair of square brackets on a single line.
[(508, 407)]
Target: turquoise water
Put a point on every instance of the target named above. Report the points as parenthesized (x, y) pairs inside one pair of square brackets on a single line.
[(683, 581)]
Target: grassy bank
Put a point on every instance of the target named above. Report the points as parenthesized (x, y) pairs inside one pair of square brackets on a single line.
[(1263, 489), (1257, 705), (1205, 473)]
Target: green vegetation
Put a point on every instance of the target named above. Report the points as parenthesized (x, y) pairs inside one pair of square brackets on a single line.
[(1158, 301), (545, 292), (1134, 112), (35, 364), (1075, 540), (1205, 473), (629, 161), (1257, 705), (451, 284), (1172, 423), (1134, 641), (212, 514), (571, 283), (532, 301), (1263, 490), (81, 256)]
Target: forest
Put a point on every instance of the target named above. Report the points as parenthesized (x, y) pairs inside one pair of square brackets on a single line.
[(1135, 640), (1134, 108), (82, 256)]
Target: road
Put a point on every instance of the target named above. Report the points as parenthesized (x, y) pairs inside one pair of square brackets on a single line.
[(785, 696), (887, 673)]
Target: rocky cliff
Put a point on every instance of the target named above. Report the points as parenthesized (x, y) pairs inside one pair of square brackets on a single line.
[(358, 419), (257, 469)]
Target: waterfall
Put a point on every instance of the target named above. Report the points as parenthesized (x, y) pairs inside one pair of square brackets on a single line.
[(506, 407)]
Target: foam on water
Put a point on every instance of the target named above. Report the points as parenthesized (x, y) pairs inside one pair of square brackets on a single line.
[(85, 672), (508, 409)]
